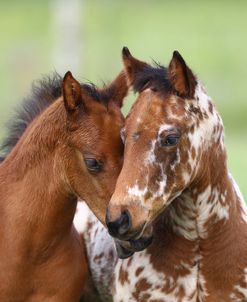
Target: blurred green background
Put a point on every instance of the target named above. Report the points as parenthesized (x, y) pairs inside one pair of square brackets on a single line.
[(38, 37)]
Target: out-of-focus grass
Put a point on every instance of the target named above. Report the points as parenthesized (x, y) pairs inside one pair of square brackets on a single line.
[(211, 35), (24, 55)]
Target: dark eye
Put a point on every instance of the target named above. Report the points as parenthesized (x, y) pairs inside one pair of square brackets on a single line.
[(93, 165), (170, 140)]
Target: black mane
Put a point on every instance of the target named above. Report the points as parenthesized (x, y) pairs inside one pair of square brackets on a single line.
[(154, 77), (43, 93)]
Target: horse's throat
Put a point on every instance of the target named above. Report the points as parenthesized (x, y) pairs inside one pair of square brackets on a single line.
[(201, 215)]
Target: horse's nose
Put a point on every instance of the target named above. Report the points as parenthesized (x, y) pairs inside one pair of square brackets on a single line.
[(120, 226)]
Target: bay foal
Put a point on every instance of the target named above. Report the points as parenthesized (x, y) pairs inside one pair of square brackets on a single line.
[(175, 182), (59, 148)]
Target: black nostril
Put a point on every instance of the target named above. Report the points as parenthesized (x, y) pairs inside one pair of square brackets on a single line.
[(120, 226), (124, 223)]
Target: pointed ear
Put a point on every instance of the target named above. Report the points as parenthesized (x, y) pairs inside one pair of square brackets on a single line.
[(181, 77), (118, 89), (131, 65), (71, 93)]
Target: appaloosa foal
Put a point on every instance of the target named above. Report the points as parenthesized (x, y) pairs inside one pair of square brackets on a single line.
[(175, 184)]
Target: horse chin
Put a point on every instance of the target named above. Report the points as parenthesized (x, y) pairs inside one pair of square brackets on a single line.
[(142, 239), (141, 244), (123, 249), (126, 249)]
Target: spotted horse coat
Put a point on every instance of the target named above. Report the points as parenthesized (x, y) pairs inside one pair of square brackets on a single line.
[(199, 248), (169, 270)]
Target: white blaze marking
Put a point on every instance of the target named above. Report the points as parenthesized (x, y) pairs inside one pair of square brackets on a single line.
[(137, 192), (162, 186), (177, 161), (151, 158)]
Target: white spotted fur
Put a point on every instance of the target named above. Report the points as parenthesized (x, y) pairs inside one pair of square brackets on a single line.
[(239, 289), (190, 223), (103, 243)]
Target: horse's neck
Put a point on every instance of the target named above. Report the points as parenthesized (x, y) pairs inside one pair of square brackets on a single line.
[(35, 200), (209, 213)]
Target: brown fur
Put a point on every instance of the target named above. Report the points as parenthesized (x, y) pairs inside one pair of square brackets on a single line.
[(42, 256)]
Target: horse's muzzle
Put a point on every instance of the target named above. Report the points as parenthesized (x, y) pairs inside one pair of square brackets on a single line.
[(120, 227)]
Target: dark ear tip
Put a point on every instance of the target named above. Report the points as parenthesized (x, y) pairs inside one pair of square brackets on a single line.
[(68, 74), (126, 52), (176, 54)]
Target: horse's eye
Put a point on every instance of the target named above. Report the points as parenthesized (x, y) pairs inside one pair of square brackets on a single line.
[(169, 141), (93, 165)]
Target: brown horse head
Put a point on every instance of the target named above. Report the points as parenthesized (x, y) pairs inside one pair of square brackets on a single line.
[(93, 139), (71, 131), (169, 135)]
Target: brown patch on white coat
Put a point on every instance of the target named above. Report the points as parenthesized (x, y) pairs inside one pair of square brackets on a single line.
[(179, 184)]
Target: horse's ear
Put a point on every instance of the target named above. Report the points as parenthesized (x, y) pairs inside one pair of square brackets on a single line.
[(131, 65), (72, 93), (181, 77), (118, 89)]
